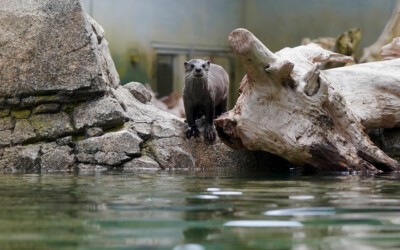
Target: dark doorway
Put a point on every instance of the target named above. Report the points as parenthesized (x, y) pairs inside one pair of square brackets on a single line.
[(165, 75)]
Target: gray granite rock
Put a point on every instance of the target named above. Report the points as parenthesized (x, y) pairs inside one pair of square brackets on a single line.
[(9, 157), (5, 138), (21, 114), (168, 152), (4, 113), (92, 132), (139, 91), (52, 126), (106, 63), (23, 131), (58, 159), (47, 108), (13, 101), (31, 101), (66, 141), (6, 123), (51, 45), (144, 162), (28, 159), (143, 130), (167, 128), (102, 112), (110, 149)]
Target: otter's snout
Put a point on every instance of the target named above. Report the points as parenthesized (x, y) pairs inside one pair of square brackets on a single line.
[(198, 72)]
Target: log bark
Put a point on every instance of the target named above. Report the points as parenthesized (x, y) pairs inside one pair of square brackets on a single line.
[(290, 108), (391, 30)]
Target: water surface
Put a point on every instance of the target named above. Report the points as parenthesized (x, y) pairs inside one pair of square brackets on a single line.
[(198, 210)]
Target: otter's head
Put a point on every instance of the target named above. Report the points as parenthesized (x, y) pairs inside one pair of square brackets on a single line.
[(197, 68)]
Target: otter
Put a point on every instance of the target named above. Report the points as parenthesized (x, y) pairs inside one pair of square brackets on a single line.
[(205, 93)]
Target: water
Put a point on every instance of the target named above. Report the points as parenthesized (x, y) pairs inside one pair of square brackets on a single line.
[(198, 210)]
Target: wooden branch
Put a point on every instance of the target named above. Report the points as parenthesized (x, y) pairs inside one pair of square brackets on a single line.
[(289, 107), (392, 50), (372, 91), (391, 30)]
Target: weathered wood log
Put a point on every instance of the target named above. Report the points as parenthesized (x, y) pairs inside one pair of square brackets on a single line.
[(392, 50), (391, 30), (371, 90), (290, 108)]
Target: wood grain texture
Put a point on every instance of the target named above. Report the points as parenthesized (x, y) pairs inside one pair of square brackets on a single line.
[(290, 108)]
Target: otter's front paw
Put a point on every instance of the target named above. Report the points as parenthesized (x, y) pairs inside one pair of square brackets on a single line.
[(209, 133), (192, 131)]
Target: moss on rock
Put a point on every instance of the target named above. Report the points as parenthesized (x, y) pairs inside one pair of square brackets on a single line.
[(21, 114)]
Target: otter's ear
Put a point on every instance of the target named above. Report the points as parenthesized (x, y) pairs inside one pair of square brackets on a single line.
[(186, 64), (208, 62)]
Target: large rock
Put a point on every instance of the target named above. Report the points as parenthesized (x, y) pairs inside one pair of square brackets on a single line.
[(52, 46), (23, 131), (21, 159), (111, 149), (52, 126), (139, 91), (5, 138), (101, 112), (144, 162), (58, 158), (6, 123)]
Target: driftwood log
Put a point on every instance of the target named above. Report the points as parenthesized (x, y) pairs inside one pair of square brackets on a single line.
[(391, 30), (392, 50), (308, 116)]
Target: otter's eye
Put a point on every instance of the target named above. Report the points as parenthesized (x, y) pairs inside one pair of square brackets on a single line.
[(204, 66), (191, 66)]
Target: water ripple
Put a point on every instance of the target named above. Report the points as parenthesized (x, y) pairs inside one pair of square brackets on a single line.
[(302, 211), (206, 197), (227, 193), (262, 223)]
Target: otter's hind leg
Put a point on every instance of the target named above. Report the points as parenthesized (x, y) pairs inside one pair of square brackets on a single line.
[(209, 130)]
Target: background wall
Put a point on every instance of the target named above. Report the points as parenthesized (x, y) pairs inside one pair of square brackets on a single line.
[(138, 30), (285, 22), (134, 26)]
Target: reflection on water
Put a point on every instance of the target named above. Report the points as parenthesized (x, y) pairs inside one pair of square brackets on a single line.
[(198, 210)]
